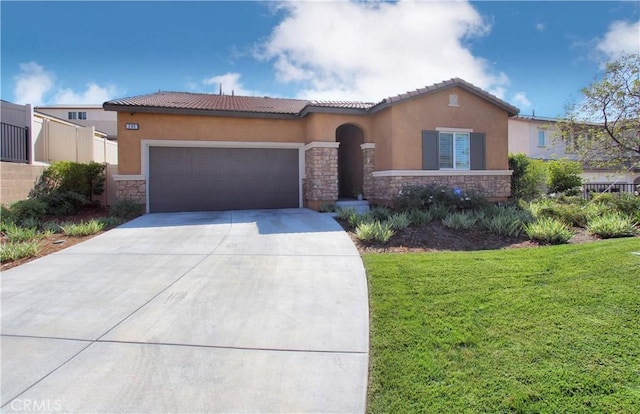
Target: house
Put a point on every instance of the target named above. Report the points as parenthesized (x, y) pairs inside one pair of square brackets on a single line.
[(32, 140), (538, 138), (183, 151), (85, 115)]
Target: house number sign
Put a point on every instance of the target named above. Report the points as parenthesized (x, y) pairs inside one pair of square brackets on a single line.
[(132, 126)]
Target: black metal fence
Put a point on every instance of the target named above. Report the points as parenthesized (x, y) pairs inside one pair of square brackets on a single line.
[(592, 189), (14, 143)]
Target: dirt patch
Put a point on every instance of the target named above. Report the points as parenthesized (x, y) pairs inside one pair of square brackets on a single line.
[(58, 241), (436, 237)]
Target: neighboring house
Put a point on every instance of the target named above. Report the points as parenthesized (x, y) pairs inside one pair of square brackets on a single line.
[(32, 140), (538, 138), (85, 115), (183, 151)]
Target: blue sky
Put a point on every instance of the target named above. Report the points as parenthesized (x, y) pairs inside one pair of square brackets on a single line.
[(535, 55)]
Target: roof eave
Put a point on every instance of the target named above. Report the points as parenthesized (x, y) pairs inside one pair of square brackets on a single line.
[(186, 111)]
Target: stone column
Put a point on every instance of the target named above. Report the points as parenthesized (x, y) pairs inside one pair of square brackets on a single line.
[(131, 187), (321, 174), (368, 166)]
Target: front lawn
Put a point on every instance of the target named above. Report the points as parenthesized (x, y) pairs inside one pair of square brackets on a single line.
[(553, 329)]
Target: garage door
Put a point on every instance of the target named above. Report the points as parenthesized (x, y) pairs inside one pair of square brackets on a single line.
[(204, 179)]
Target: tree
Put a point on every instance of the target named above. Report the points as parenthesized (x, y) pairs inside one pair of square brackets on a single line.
[(528, 177), (604, 128)]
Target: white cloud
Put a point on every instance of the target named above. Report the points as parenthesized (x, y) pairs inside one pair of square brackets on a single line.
[(370, 50), (35, 85), (32, 84), (621, 38), (93, 94), (230, 83), (520, 99), (540, 27)]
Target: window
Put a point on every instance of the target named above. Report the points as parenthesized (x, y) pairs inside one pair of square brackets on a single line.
[(72, 115), (453, 100), (454, 150), (541, 138), (82, 115)]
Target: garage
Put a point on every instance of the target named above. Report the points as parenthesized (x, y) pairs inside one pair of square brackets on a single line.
[(207, 179)]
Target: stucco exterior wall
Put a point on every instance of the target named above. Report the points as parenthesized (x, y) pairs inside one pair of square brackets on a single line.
[(197, 128), (523, 138), (432, 111), (321, 127)]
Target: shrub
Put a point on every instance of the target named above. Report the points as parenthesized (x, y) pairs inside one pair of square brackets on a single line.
[(31, 208), (423, 197), (573, 214), (17, 234), (111, 221), (344, 213), (464, 220), (439, 211), (564, 176), (356, 219), (17, 250), (612, 225), (528, 177), (399, 221), (625, 203), (84, 228), (506, 221), (64, 203), (548, 231), (420, 217), (327, 208), (126, 209), (64, 176), (380, 213), (380, 232)]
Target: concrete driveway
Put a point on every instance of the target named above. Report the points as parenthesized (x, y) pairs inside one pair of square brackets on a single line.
[(243, 311)]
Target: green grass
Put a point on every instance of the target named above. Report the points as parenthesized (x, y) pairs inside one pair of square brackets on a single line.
[(549, 330)]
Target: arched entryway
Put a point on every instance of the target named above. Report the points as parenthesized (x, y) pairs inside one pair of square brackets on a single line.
[(350, 177)]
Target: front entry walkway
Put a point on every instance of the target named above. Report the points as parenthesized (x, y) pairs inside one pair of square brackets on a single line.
[(243, 311)]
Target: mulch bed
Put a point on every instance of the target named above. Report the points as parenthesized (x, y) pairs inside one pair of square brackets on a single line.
[(58, 241), (435, 236)]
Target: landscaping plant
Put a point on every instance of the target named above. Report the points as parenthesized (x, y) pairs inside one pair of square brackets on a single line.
[(612, 225), (84, 228), (548, 231), (464, 220)]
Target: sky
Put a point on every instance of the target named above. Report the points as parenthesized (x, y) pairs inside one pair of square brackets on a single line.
[(534, 55)]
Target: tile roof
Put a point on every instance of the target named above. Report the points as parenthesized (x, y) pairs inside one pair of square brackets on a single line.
[(211, 102), (187, 102)]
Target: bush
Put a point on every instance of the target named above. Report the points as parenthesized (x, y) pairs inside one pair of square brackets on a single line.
[(375, 230), (17, 250), (84, 228), (344, 213), (399, 221), (64, 203), (548, 231), (506, 221), (424, 197), (64, 176), (356, 219), (380, 213), (31, 208), (625, 203), (420, 217), (527, 180), (573, 214), (612, 225), (439, 211), (17, 234), (564, 176), (464, 220), (128, 209)]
